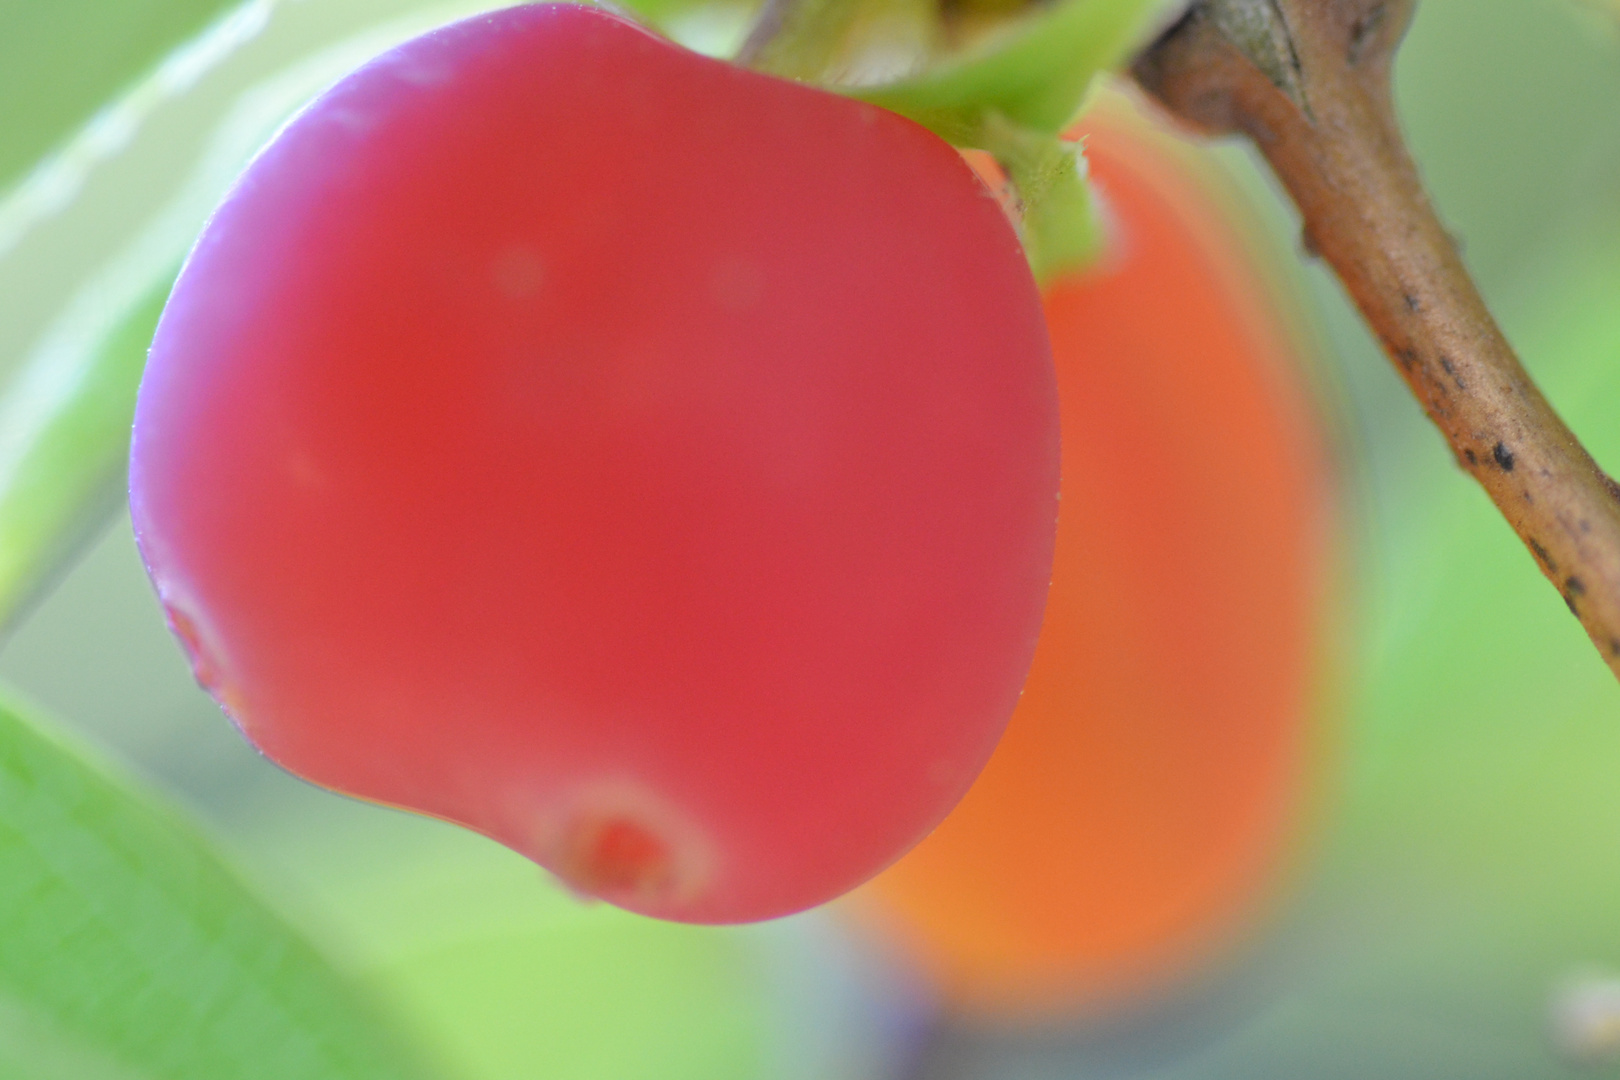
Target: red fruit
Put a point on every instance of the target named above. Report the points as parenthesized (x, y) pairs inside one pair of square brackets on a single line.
[(1142, 801), (644, 462)]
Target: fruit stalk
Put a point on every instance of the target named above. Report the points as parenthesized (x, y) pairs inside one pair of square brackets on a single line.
[(1309, 81)]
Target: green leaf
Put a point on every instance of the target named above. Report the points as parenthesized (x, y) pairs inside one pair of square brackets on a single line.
[(60, 60), (129, 951), (64, 432), (1035, 75)]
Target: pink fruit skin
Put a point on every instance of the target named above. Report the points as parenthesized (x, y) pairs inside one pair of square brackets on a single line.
[(647, 463)]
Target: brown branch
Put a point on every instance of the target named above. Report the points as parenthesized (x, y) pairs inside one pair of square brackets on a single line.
[(1309, 82)]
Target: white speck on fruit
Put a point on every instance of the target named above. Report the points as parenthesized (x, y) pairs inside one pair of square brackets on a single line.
[(304, 471), (518, 272), (354, 121), (737, 284), (421, 74)]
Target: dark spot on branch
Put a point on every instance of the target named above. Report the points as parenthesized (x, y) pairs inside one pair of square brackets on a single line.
[(1574, 588), (1529, 498), (1412, 302), (1362, 34), (1569, 602), (1307, 243), (1445, 362), (1473, 458), (1503, 456), (1407, 357), (1586, 526), (1614, 646), (1176, 27), (1541, 553)]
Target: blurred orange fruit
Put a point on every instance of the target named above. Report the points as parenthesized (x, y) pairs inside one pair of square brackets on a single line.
[(1145, 796)]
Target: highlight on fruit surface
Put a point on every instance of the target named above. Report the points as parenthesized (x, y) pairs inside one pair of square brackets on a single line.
[(647, 463), (1140, 807)]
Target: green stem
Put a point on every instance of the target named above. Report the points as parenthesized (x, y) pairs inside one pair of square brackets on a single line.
[(1058, 224)]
